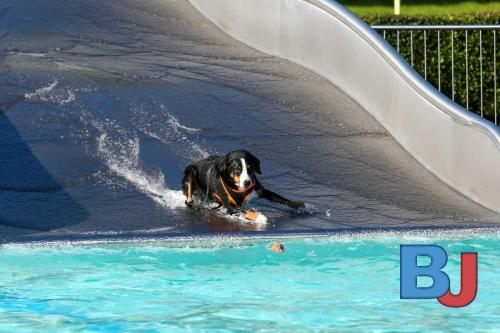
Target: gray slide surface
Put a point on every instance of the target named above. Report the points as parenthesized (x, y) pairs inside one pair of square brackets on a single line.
[(102, 104), (459, 147)]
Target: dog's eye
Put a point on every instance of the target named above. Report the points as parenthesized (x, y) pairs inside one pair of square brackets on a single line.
[(233, 166)]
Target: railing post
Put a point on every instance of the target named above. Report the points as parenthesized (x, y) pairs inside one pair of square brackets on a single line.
[(495, 74), (452, 66), (439, 60), (481, 69), (397, 34), (466, 70), (397, 7), (425, 54), (411, 47)]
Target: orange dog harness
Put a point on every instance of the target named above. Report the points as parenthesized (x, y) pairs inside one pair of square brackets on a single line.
[(228, 191)]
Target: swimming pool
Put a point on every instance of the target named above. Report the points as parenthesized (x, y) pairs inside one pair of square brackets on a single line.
[(346, 283)]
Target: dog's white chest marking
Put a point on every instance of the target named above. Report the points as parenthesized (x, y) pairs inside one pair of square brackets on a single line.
[(244, 174)]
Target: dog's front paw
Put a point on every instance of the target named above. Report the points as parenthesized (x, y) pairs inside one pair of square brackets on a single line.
[(256, 217), (189, 202)]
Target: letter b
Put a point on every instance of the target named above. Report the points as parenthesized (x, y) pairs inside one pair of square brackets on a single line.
[(409, 271)]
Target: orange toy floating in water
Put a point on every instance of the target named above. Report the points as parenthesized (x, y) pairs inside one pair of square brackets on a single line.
[(278, 247)]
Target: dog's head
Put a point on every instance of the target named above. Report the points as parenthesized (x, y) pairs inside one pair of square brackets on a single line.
[(239, 168)]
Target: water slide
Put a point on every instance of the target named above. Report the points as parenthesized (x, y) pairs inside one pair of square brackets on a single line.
[(102, 104)]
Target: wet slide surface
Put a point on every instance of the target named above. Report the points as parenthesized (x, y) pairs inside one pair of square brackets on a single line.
[(103, 103)]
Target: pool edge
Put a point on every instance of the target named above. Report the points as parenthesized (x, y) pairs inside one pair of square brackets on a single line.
[(241, 238)]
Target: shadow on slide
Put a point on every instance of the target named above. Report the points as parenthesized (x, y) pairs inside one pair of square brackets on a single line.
[(29, 196)]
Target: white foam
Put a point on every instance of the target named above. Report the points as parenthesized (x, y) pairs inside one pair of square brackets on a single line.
[(239, 218), (119, 148), (50, 94), (27, 54), (210, 242), (70, 98), (166, 128), (41, 91), (123, 159), (178, 126)]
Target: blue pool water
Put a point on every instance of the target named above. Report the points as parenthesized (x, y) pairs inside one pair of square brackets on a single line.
[(346, 283)]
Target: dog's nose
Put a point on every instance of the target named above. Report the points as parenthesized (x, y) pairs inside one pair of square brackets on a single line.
[(246, 183)]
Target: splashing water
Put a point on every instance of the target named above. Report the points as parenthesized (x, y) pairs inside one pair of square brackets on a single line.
[(120, 150), (166, 128), (49, 93), (119, 147), (123, 159)]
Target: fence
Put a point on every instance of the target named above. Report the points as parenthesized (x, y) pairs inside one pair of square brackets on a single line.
[(460, 60)]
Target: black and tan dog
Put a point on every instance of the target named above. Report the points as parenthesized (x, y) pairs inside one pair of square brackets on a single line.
[(230, 181)]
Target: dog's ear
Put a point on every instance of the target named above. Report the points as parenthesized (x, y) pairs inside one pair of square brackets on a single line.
[(257, 168), (255, 162), (222, 165)]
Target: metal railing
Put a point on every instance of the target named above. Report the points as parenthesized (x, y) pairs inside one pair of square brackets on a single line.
[(459, 88)]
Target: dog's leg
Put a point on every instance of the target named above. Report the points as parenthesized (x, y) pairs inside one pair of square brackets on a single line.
[(189, 196), (187, 183), (274, 197), (230, 209)]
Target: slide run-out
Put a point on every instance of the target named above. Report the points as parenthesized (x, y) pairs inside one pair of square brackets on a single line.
[(102, 105)]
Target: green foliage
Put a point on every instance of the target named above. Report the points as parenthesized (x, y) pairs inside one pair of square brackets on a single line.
[(421, 7), (445, 57)]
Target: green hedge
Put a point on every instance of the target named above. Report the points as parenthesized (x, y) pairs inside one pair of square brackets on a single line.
[(459, 56)]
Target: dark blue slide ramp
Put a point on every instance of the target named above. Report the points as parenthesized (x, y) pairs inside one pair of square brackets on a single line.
[(103, 103)]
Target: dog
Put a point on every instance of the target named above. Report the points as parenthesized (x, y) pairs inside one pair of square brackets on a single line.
[(229, 181)]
